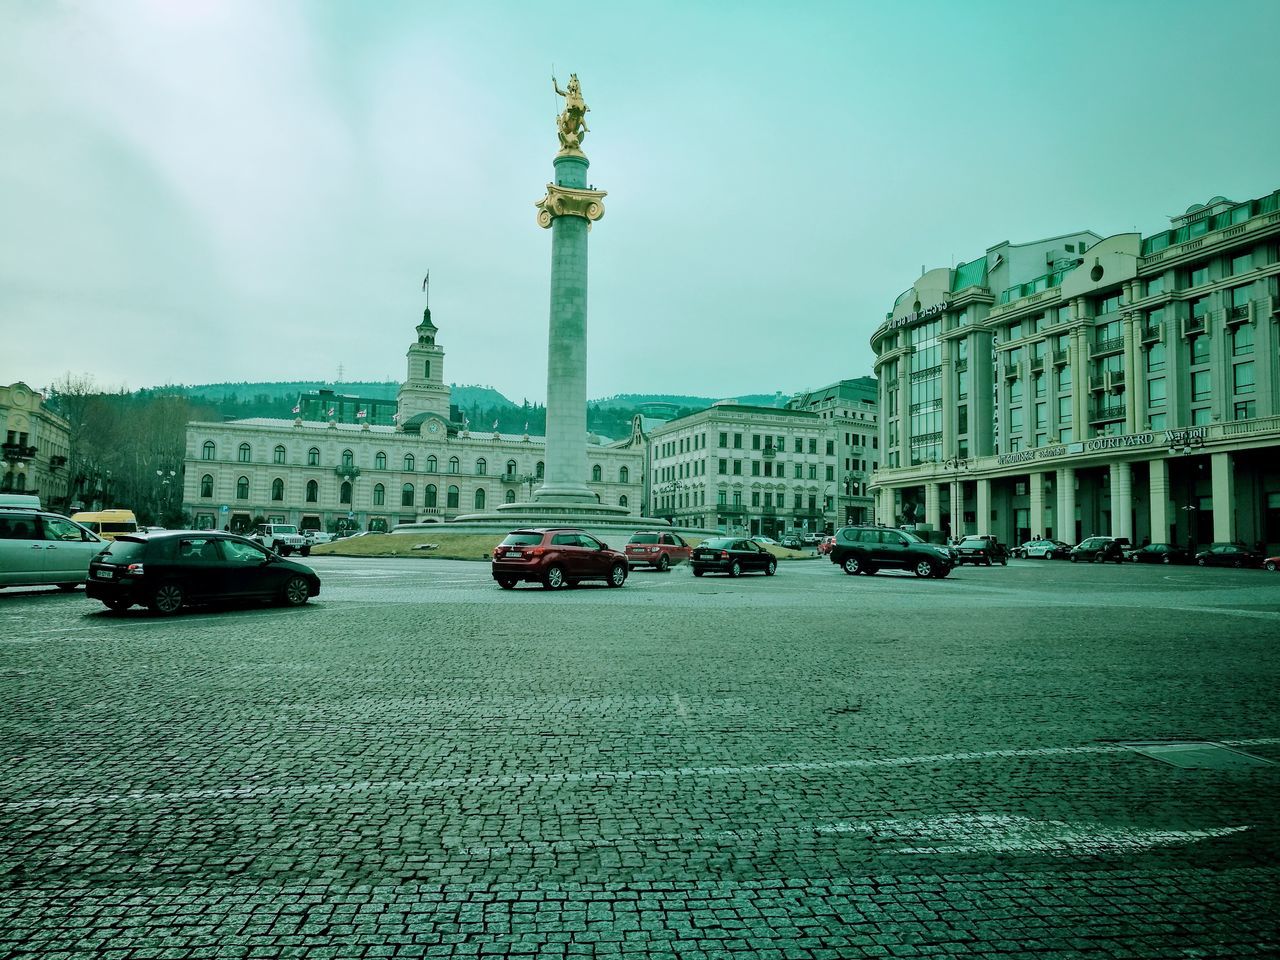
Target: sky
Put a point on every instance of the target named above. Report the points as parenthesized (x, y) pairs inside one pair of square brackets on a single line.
[(205, 191)]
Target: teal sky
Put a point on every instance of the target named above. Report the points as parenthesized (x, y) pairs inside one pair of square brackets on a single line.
[(202, 191)]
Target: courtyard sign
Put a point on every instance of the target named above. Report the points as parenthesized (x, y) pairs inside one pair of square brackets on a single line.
[(1189, 437)]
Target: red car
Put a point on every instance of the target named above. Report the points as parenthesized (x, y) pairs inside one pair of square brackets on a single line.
[(556, 557), (825, 545), (658, 549), (1271, 564)]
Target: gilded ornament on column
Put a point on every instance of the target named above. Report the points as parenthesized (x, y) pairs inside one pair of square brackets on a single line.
[(570, 202)]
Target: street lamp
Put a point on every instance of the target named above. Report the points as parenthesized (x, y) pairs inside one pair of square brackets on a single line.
[(957, 466), (164, 480), (349, 521)]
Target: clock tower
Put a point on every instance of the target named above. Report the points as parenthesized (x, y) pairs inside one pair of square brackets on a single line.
[(424, 389)]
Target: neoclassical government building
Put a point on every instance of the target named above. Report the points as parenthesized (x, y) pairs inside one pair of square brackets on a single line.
[(1082, 385), (343, 471)]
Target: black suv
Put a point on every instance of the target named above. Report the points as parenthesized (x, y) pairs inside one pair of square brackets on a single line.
[(1100, 550), (871, 549), (982, 549)]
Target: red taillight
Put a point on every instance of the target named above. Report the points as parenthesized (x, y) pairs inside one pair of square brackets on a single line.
[(535, 552), (724, 554), (134, 568)]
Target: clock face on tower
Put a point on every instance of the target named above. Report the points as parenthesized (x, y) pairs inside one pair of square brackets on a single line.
[(434, 426)]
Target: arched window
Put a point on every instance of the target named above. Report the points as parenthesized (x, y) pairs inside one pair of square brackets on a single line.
[(277, 489), (453, 464), (595, 473), (453, 498), (480, 499), (206, 485), (344, 492), (313, 457), (511, 496), (429, 496), (624, 475), (482, 467), (622, 500), (313, 491), (408, 463), (379, 494), (540, 469), (242, 488), (277, 455), (208, 451), (511, 468), (348, 459), (380, 461), (432, 464), (406, 495), (245, 453)]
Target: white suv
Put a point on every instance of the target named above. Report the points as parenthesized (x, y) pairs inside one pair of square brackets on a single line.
[(283, 538)]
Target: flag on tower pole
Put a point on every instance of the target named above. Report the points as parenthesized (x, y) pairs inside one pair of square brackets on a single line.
[(331, 409), (297, 409), (361, 414)]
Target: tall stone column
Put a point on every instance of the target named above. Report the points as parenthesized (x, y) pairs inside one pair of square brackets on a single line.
[(933, 505), (982, 515), (1035, 487), (1065, 528), (1224, 497), (1158, 471), (1121, 500)]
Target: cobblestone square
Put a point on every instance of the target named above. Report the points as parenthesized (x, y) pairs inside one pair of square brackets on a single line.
[(418, 764)]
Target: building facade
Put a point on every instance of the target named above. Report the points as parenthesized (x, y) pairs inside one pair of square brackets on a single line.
[(324, 474), (1128, 389), (849, 407), (739, 468), (37, 443)]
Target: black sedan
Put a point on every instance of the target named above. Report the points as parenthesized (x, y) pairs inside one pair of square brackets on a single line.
[(732, 556), (1160, 553), (169, 570), (1228, 555)]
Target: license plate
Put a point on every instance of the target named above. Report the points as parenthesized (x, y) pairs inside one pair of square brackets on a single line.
[(103, 574), (514, 553)]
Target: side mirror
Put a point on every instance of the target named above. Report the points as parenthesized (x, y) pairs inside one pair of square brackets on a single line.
[(603, 545)]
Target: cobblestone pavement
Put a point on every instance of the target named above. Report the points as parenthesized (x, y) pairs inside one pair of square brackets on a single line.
[(418, 764)]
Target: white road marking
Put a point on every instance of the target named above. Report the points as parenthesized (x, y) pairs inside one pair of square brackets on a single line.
[(594, 776)]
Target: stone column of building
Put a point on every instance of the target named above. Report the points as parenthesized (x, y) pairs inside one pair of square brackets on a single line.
[(568, 209), (1220, 367), (982, 515), (904, 408), (933, 505), (1176, 379), (1035, 488), (1121, 500), (1268, 363), (1134, 418), (950, 416), (1079, 380), (956, 493), (1158, 472), (1065, 528), (1224, 497), (980, 373)]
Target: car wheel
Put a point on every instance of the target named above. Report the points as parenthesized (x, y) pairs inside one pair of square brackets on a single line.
[(924, 568), (1237, 564), (697, 572), (295, 592), (771, 569), (942, 572), (166, 599), (1048, 554), (618, 574), (664, 564), (852, 565), (1200, 562), (1269, 566), (305, 551), (506, 583), (1096, 558), (1164, 559), (1004, 561), (67, 587), (554, 579), (117, 606), (1074, 558), (282, 548), (988, 561), (735, 569)]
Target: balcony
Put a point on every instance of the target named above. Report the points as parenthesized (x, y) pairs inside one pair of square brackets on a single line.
[(1060, 358), (1237, 314), (347, 471), (1113, 345), (1010, 371), (962, 365), (770, 452), (1195, 324), (1152, 331), (1037, 364), (1097, 383), (1114, 379), (14, 452), (1109, 411), (731, 509)]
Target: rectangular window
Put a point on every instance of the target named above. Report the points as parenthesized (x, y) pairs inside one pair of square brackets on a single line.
[(1158, 421), (1064, 378), (1064, 410), (768, 499), (737, 468), (1015, 391), (1064, 314), (1242, 340), (755, 498), (1242, 376), (768, 468), (799, 471), (1156, 392), (813, 445), (1241, 295), (1015, 331), (962, 384), (1245, 410), (1042, 416), (1154, 285), (724, 466), (813, 471), (962, 420), (1201, 416), (1037, 383), (1200, 385), (1242, 264), (831, 473), (1200, 349), (737, 441), (755, 468), (724, 440), (831, 448), (1109, 304), (1198, 275), (1155, 358), (1199, 308), (1015, 420), (755, 441)]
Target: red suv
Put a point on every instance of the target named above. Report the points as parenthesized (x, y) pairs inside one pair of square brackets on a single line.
[(658, 549), (556, 557)]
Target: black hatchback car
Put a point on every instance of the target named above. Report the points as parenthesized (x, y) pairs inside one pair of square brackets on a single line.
[(870, 549), (732, 556), (167, 571)]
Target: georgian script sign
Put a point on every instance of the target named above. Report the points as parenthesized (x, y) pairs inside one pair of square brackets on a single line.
[(914, 317)]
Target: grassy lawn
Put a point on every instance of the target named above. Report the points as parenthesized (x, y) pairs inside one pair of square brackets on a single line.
[(458, 546)]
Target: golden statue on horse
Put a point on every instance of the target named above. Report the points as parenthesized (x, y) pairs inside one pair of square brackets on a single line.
[(572, 122)]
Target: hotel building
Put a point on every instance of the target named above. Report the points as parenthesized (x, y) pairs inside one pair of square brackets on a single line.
[(1084, 385)]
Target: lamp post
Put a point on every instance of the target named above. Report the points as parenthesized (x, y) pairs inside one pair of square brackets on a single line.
[(348, 522), (957, 466), (164, 481)]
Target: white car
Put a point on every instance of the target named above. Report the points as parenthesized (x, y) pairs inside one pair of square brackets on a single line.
[(768, 540), (1046, 549), (318, 536), (38, 547)]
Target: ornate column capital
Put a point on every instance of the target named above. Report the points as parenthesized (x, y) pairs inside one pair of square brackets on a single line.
[(570, 202)]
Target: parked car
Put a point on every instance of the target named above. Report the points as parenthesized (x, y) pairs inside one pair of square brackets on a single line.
[(813, 539), (1271, 564), (317, 536), (1228, 555), (871, 549), (658, 549), (38, 547), (282, 538), (1159, 553), (792, 543), (167, 571), (1099, 550), (982, 549), (732, 556), (825, 544), (769, 540), (1046, 549), (556, 557)]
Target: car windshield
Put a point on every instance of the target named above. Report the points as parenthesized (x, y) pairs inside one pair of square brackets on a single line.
[(125, 551), (972, 542), (286, 528), (644, 538), (718, 543), (519, 539)]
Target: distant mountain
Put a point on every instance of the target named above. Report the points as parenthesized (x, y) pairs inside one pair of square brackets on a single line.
[(630, 400)]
